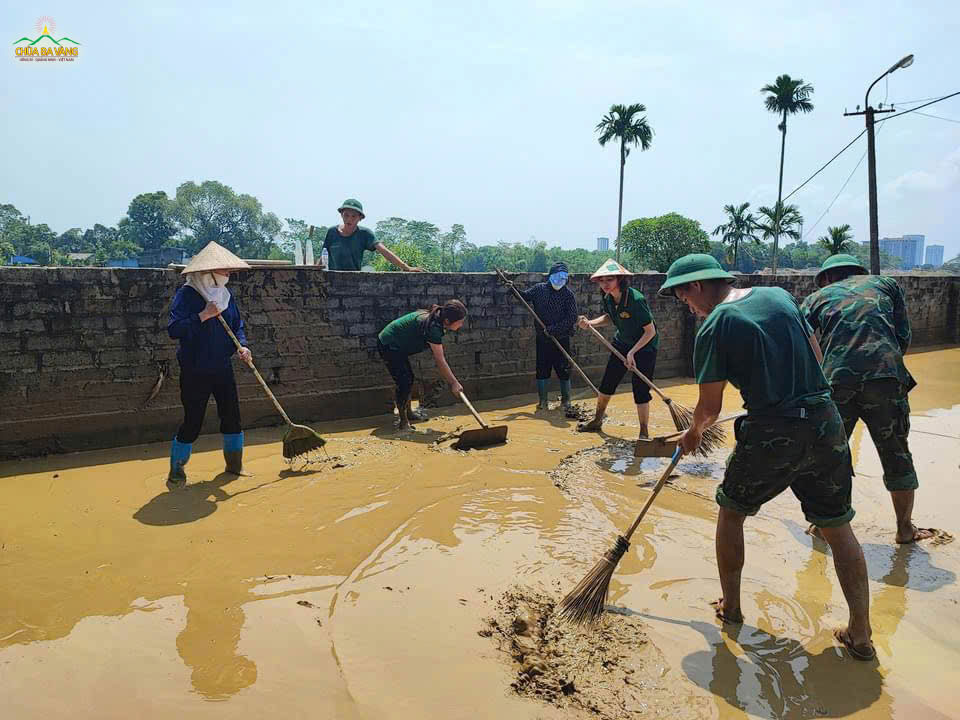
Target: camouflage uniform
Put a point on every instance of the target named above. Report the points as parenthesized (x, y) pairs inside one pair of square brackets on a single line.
[(864, 332), (792, 436)]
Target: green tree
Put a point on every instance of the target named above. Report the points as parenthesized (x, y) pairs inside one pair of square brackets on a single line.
[(776, 221), (837, 240), (741, 225), (411, 253), (786, 96), (149, 222), (213, 211), (622, 124), (658, 241), (450, 242), (538, 258)]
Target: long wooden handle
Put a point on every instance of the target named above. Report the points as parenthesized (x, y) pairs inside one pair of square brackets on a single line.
[(475, 413), (255, 371), (678, 433), (656, 490), (555, 341), (639, 374)]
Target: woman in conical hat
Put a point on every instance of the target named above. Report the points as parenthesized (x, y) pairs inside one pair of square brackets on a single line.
[(636, 339), (204, 356)]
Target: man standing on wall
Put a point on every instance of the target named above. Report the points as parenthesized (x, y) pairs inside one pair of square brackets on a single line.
[(865, 331), (346, 243)]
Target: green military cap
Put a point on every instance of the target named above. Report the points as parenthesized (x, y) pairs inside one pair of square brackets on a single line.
[(352, 204), (839, 261), (690, 268)]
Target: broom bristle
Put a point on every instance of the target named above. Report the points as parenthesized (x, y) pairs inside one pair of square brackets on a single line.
[(585, 603), (713, 437), (301, 440)]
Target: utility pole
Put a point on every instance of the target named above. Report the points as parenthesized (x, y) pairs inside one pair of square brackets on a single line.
[(869, 113)]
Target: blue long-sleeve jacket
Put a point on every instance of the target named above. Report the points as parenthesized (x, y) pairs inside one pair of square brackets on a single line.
[(204, 346), (557, 308)]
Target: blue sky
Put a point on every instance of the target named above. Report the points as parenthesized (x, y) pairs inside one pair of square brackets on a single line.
[(480, 113)]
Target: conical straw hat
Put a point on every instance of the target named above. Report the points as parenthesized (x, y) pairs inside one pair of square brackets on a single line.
[(214, 257), (610, 268)]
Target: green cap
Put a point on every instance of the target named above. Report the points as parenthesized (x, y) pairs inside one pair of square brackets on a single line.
[(352, 204), (691, 268), (839, 261)]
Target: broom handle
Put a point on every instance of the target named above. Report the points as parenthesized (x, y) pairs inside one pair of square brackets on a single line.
[(639, 374), (475, 414), (540, 322), (656, 489), (678, 433), (255, 371)]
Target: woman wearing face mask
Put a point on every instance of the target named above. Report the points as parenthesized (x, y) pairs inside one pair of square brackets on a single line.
[(556, 306), (636, 339), (204, 356), (411, 334)]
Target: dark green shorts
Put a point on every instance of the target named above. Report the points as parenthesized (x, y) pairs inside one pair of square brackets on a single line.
[(882, 404), (808, 455)]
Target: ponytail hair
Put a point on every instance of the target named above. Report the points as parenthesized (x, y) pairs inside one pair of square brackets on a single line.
[(450, 312)]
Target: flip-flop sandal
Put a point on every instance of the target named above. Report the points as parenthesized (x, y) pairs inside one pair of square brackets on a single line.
[(866, 653), (717, 606), (934, 534)]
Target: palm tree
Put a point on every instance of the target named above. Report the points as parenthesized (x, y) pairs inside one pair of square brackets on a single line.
[(836, 240), (622, 123), (779, 220), (786, 97), (741, 225)]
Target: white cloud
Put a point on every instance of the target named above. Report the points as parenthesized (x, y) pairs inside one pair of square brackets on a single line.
[(944, 176)]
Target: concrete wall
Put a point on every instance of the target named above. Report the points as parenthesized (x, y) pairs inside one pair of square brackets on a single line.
[(81, 349)]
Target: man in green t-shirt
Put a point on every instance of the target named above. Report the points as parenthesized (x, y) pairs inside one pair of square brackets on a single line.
[(792, 436), (864, 328), (346, 243)]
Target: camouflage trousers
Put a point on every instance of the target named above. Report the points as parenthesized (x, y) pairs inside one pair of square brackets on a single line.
[(882, 404), (808, 455)]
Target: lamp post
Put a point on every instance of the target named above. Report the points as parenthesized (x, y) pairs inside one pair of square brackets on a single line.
[(868, 113)]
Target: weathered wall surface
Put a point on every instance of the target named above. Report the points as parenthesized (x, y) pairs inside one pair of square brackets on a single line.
[(81, 349)]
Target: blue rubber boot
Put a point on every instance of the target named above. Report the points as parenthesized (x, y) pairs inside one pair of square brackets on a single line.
[(233, 453), (565, 394), (179, 455), (542, 391)]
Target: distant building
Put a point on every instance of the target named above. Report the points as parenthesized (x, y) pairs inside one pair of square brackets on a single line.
[(908, 248), (934, 255), (161, 257), (79, 257), (22, 260), (121, 263), (603, 243)]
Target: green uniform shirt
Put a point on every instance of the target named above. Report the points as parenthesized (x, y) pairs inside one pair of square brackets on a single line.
[(346, 252), (761, 344), (864, 329), (630, 316), (404, 335)]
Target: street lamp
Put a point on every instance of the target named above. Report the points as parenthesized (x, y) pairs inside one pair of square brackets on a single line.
[(868, 113)]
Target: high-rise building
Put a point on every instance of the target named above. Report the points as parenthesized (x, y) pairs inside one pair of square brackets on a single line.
[(934, 255), (603, 243), (908, 248)]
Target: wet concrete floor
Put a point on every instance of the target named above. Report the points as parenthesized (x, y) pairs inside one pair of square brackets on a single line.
[(355, 587)]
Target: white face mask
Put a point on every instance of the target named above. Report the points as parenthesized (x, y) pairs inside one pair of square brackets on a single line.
[(212, 287)]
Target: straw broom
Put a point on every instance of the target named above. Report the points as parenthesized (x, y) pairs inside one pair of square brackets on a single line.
[(585, 603), (713, 436)]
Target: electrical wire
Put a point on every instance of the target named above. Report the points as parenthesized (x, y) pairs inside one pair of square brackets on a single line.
[(919, 107), (824, 167), (937, 117)]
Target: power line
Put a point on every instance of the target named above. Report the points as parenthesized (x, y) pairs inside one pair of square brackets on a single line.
[(913, 102), (937, 117), (835, 197), (796, 190), (919, 107)]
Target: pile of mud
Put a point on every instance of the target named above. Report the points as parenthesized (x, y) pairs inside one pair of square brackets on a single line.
[(608, 670)]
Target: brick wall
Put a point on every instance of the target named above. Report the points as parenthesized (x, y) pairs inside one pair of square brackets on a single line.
[(81, 349)]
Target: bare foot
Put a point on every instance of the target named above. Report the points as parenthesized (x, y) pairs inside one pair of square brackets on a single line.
[(729, 616), (865, 651), (913, 534)]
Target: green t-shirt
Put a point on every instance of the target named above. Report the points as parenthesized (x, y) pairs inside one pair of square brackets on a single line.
[(630, 316), (864, 329), (346, 252), (404, 334), (761, 344)]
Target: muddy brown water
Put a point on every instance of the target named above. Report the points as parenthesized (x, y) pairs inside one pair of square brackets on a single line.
[(356, 588)]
